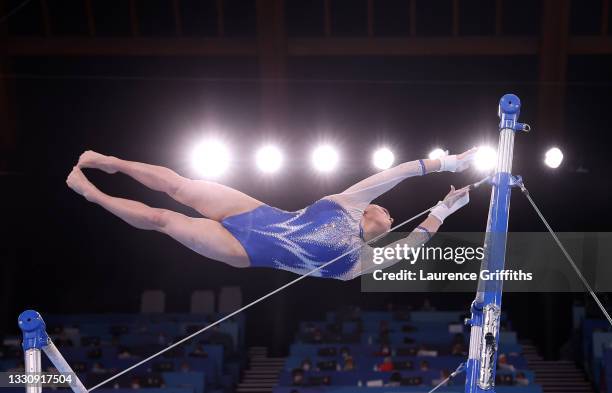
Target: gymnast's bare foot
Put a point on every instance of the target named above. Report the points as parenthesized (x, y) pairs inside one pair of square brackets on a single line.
[(78, 183), (91, 159)]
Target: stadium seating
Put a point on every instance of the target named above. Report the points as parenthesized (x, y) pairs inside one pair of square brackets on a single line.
[(99, 345), (392, 351)]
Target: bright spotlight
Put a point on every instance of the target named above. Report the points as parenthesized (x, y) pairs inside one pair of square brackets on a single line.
[(485, 159), (325, 158), (269, 159), (553, 157), (210, 158), (383, 158), (437, 153)]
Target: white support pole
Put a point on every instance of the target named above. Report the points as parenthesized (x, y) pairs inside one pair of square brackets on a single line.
[(32, 361)]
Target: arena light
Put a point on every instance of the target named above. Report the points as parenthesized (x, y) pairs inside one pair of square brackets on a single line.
[(485, 159), (437, 153), (325, 158), (383, 158), (553, 157), (269, 159), (210, 158)]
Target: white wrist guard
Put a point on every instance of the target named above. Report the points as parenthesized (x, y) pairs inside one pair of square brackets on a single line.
[(441, 211), (448, 163)]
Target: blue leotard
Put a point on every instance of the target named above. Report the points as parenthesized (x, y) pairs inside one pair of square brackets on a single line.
[(299, 241), (303, 240)]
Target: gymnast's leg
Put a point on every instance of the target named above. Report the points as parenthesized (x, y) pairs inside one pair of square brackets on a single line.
[(210, 199), (206, 237)]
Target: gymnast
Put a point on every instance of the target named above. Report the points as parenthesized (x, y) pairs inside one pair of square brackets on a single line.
[(243, 232)]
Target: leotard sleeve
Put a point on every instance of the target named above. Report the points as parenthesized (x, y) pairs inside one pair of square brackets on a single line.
[(357, 197)]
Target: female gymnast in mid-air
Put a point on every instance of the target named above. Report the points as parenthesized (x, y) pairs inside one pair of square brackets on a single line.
[(243, 232)]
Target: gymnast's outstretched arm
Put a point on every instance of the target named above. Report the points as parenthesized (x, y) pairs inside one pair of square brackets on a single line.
[(452, 202), (361, 194)]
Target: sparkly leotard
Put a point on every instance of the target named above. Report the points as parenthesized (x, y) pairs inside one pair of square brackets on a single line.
[(303, 240), (300, 241)]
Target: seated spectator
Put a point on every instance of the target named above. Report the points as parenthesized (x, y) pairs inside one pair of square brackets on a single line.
[(306, 365), (135, 383), (502, 363), (385, 350), (124, 353), (97, 368), (521, 379), (424, 365), (344, 352), (199, 352), (297, 377), (349, 364), (395, 379), (386, 365), (185, 367)]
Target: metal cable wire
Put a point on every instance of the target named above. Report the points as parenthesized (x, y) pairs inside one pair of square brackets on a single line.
[(567, 255)]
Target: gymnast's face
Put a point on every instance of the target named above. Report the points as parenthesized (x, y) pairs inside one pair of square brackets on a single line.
[(377, 220)]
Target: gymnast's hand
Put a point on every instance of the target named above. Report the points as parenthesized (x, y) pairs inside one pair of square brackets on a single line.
[(452, 202), (459, 162)]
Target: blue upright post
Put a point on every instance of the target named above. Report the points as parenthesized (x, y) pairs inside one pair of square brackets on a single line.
[(35, 340), (486, 308)]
